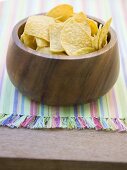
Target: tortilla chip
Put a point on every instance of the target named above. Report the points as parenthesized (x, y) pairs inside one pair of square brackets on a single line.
[(38, 26), (28, 40), (104, 32), (41, 42), (93, 26), (62, 31), (84, 50), (95, 39), (46, 50), (63, 11), (80, 17), (55, 41), (73, 37)]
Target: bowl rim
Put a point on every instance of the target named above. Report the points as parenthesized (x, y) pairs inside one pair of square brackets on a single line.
[(17, 41)]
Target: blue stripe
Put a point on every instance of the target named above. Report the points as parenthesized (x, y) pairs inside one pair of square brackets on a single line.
[(101, 106), (42, 110), (22, 105), (8, 120), (76, 116)]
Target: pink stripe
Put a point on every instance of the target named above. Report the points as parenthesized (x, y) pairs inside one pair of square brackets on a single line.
[(93, 109), (93, 112), (82, 122), (56, 117), (97, 123), (33, 108), (27, 121), (54, 122)]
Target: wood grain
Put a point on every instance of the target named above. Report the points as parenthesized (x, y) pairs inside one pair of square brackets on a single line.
[(62, 80), (62, 149)]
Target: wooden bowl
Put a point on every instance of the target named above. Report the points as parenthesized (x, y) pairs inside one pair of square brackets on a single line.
[(62, 80)]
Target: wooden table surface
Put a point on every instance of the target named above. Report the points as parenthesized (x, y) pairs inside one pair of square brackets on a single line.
[(62, 149)]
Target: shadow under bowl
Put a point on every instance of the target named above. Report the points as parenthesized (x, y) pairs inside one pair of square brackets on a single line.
[(61, 79)]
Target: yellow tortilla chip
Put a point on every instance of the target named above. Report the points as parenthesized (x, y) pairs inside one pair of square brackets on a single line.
[(41, 42), (95, 39), (86, 27), (38, 26), (80, 17), (73, 37), (67, 20), (58, 19), (46, 50), (55, 41), (104, 43), (63, 11), (84, 50), (28, 40), (61, 30), (104, 32), (93, 26)]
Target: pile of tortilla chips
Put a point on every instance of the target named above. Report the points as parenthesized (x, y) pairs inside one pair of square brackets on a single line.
[(61, 31)]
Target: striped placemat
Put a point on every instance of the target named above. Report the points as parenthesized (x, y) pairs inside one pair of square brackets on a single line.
[(109, 112)]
